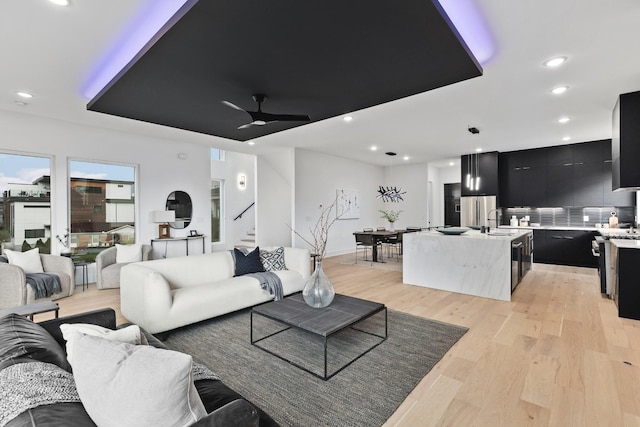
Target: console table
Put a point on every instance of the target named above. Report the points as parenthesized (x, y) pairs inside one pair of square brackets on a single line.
[(185, 239)]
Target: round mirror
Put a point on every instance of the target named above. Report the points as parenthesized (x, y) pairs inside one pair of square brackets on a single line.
[(180, 202)]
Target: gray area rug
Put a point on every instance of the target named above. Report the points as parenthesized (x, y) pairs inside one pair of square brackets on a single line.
[(366, 393)]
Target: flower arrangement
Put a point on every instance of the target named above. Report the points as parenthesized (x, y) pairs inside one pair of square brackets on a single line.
[(320, 231), (390, 215)]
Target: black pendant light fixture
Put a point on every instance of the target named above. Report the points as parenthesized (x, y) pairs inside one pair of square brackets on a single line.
[(472, 180), (390, 194)]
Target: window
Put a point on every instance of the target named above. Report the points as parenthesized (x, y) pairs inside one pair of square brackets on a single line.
[(216, 210), (25, 202), (102, 207), (217, 154)]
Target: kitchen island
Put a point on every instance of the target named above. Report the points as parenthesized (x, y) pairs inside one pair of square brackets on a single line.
[(473, 263)]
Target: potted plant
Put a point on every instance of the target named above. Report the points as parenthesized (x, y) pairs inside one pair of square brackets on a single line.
[(391, 216)]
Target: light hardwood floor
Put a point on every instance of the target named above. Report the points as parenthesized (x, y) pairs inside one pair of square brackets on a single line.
[(556, 355)]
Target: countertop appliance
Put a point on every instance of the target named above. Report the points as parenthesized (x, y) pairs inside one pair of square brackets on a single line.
[(478, 210)]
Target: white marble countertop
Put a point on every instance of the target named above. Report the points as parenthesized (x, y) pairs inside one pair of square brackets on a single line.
[(626, 243), (494, 234), (612, 232), (553, 227)]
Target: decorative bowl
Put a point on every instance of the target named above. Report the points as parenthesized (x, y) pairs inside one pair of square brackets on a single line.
[(452, 231)]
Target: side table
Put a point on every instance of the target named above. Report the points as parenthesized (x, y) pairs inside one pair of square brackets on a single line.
[(85, 272)]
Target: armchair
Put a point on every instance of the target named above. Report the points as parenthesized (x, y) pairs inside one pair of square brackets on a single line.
[(14, 290), (108, 270)]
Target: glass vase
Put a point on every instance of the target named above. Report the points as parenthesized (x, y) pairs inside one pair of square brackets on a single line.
[(318, 291)]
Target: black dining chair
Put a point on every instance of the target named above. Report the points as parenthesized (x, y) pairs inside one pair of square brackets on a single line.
[(367, 230), (365, 242)]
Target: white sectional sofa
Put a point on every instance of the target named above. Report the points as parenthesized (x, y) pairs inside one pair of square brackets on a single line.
[(165, 294)]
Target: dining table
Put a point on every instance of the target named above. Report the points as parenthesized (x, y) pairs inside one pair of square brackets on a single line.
[(378, 236)]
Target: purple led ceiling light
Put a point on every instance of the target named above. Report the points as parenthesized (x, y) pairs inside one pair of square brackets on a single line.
[(155, 14)]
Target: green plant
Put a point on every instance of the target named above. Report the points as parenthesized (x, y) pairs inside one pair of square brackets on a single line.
[(391, 216)]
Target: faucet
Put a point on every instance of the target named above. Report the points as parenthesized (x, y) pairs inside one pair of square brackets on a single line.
[(498, 214)]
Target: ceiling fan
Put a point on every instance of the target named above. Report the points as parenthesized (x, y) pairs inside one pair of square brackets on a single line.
[(260, 118)]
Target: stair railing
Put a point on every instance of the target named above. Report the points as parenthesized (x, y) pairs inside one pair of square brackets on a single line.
[(244, 211)]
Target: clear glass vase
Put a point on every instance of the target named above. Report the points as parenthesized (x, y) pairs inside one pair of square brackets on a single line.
[(318, 291)]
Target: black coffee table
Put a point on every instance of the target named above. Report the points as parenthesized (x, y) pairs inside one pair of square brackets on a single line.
[(323, 323)]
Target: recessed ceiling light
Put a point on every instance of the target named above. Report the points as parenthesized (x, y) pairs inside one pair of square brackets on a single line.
[(559, 90), (478, 150), (21, 103), (347, 118), (374, 148), (60, 2), (452, 163), (563, 120), (252, 142), (555, 62), (566, 138), (26, 95), (405, 158)]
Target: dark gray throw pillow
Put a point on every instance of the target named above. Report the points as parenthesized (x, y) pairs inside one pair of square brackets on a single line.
[(21, 340), (4, 259), (249, 263)]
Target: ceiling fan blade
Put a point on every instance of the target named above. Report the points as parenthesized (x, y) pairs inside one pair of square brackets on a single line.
[(253, 123), (288, 118), (234, 106), (245, 126)]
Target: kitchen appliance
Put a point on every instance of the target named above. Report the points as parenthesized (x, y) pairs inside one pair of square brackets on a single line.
[(475, 210), (517, 271), (602, 248)]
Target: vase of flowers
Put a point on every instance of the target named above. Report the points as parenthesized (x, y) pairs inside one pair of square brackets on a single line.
[(318, 291), (391, 216)]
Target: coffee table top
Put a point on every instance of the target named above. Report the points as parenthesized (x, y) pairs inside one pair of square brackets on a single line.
[(342, 312), (31, 309)]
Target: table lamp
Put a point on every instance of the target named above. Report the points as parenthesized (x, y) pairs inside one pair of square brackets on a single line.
[(162, 218)]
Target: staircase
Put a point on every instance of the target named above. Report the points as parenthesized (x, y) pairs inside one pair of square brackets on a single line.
[(248, 240)]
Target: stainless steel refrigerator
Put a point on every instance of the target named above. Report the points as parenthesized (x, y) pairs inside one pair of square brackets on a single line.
[(478, 210)]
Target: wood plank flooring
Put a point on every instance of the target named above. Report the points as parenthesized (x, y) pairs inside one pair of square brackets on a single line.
[(556, 355)]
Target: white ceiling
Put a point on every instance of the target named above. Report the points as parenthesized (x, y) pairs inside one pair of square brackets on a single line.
[(52, 51)]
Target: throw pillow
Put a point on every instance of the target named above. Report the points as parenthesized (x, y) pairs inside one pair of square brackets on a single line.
[(128, 253), (71, 331), (29, 261), (249, 263), (273, 260), (123, 385), (20, 338)]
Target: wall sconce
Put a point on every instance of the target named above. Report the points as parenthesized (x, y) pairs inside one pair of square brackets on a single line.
[(162, 218), (242, 181)]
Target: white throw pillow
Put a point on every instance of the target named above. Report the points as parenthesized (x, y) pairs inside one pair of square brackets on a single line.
[(128, 253), (123, 385), (70, 331), (29, 261)]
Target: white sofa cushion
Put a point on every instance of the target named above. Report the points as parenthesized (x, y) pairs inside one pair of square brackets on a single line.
[(29, 261), (124, 385), (70, 332)]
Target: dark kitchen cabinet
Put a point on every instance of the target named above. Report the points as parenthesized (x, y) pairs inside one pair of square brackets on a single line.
[(487, 167), (564, 247), (523, 178), (625, 146), (627, 292), (588, 185), (560, 185)]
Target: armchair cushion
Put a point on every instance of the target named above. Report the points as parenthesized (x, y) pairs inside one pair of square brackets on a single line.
[(128, 253), (29, 261)]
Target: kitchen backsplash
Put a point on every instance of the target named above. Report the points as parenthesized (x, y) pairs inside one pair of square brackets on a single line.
[(572, 217)]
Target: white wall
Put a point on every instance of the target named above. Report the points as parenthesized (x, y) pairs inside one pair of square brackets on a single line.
[(275, 197), (438, 177), (317, 177), (159, 170), (412, 179)]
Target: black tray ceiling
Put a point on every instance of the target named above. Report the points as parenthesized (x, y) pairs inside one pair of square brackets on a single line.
[(320, 58)]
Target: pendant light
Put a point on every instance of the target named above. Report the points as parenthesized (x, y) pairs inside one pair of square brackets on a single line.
[(473, 165)]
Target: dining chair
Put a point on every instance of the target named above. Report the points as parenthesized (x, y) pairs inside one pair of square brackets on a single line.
[(366, 230), (381, 229), (365, 242)]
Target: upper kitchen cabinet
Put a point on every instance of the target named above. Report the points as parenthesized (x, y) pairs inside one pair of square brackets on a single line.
[(523, 178), (561, 176), (626, 142), (483, 165)]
